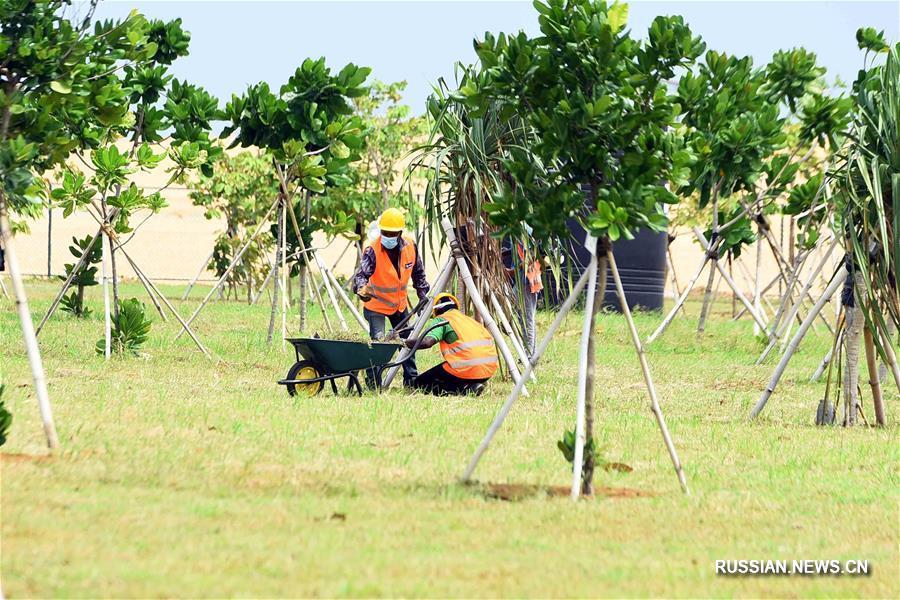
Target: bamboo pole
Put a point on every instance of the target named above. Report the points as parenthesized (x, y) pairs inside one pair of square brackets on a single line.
[(234, 262), (757, 303), (662, 326), (836, 282), (827, 359), (671, 264), (282, 233), (3, 289), (346, 299), (874, 382), (583, 353), (264, 284), (439, 285), (330, 291), (505, 324), (519, 388), (341, 256), (304, 272), (107, 348), (28, 334), (68, 282), (190, 286), (779, 331), (153, 289), (886, 342), (279, 227), (475, 296), (648, 378)]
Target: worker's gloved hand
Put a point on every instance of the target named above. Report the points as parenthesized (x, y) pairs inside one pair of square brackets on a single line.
[(410, 342), (365, 293)]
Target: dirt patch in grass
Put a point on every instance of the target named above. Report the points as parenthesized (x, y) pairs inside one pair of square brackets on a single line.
[(15, 457), (514, 492)]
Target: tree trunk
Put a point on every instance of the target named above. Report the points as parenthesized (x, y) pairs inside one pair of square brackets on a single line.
[(852, 338), (587, 483)]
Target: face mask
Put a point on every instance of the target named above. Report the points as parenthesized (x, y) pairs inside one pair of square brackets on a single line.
[(389, 242)]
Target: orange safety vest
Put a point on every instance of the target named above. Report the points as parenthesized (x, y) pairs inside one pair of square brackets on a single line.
[(472, 355), (533, 273), (389, 287)]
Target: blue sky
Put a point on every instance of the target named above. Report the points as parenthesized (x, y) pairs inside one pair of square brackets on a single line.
[(236, 43)]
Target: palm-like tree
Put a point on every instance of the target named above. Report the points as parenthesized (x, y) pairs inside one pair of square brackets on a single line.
[(867, 179)]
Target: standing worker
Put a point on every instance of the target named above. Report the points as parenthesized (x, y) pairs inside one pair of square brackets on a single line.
[(470, 358), (385, 269), (526, 278)]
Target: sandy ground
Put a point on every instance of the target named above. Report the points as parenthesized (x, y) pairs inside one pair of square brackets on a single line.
[(174, 244)]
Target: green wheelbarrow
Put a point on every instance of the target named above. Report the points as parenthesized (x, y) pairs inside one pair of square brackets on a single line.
[(320, 360)]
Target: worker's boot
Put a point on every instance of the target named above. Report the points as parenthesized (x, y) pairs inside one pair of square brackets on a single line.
[(476, 389)]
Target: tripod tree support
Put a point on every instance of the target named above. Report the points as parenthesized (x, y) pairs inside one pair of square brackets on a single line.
[(28, 334), (684, 296), (475, 296), (836, 282), (519, 388), (504, 322), (728, 279), (151, 287), (234, 262)]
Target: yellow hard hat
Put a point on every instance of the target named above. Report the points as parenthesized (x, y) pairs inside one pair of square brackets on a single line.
[(443, 300), (392, 220)]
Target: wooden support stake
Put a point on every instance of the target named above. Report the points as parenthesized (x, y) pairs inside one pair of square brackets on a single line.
[(874, 382), (234, 262), (648, 378), (190, 286), (28, 334), (836, 282), (505, 324), (168, 304)]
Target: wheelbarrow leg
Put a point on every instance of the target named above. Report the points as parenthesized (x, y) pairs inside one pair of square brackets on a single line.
[(353, 382), (333, 386)]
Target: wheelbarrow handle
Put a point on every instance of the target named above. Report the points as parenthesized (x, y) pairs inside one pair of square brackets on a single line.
[(400, 326), (412, 351)]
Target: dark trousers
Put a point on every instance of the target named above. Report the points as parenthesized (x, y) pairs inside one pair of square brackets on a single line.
[(376, 332), (439, 382)]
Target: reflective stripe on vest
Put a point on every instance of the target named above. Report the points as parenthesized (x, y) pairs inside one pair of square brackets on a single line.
[(389, 288), (533, 273), (472, 355)]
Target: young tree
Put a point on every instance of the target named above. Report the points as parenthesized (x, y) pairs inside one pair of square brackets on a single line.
[(58, 90), (597, 101), (312, 136), (375, 180), (159, 112)]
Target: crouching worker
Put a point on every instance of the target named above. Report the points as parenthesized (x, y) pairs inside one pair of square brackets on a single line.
[(385, 270), (470, 358)]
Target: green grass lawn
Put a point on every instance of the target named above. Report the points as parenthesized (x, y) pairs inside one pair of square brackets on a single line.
[(181, 476)]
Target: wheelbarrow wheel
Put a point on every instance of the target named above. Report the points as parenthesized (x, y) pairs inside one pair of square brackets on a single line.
[(305, 369)]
